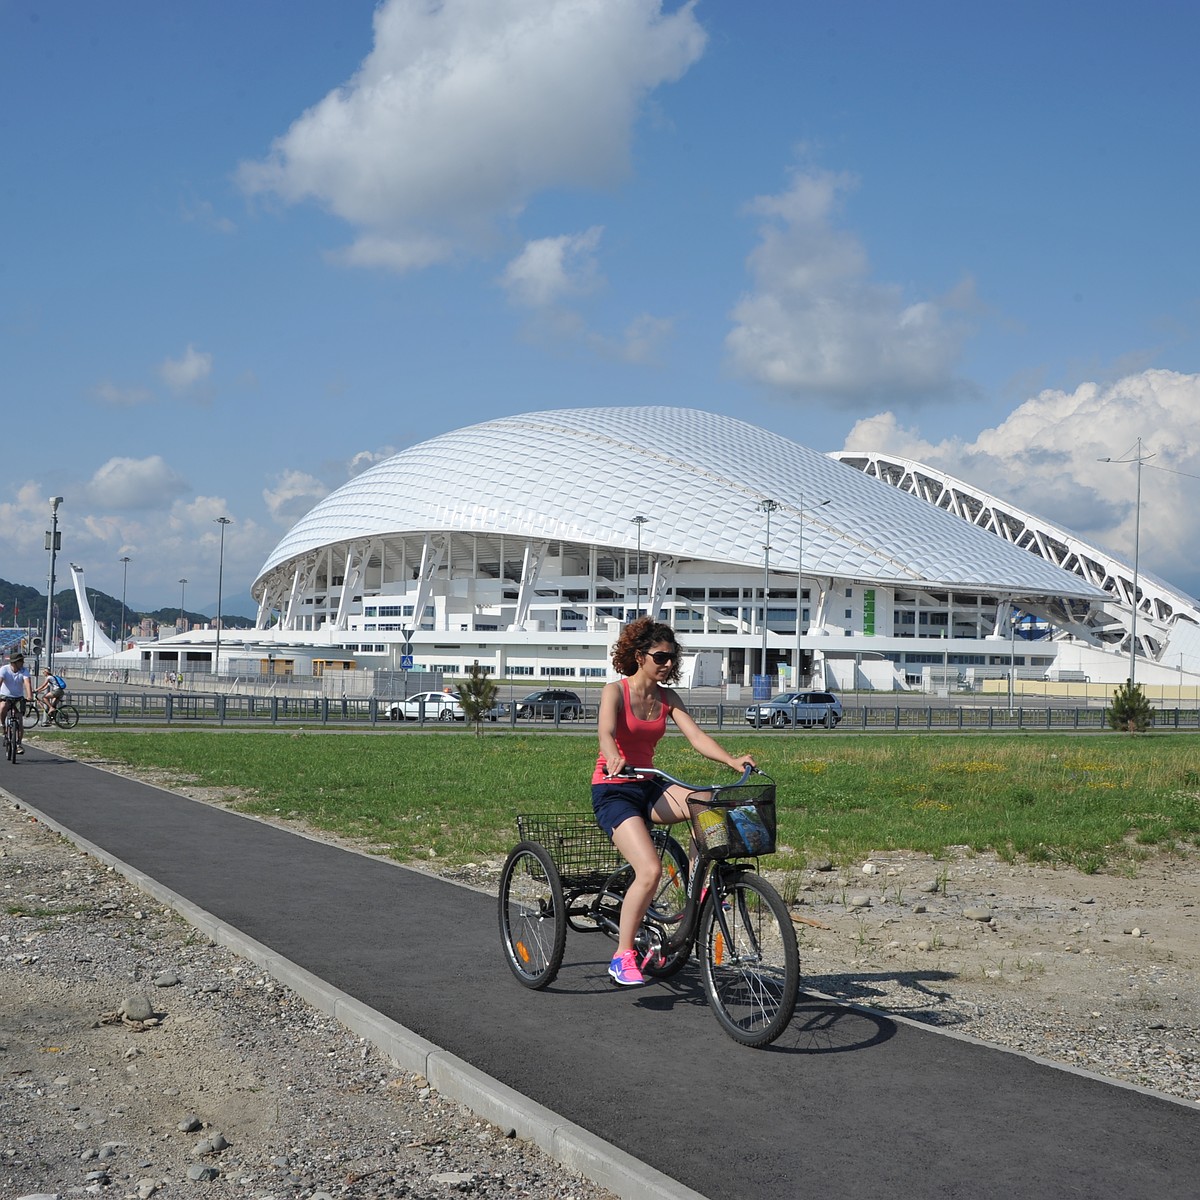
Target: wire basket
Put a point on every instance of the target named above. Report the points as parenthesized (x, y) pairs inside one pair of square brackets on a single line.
[(582, 851), (734, 822)]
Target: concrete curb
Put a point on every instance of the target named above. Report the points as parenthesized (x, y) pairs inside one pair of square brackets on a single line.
[(567, 1143)]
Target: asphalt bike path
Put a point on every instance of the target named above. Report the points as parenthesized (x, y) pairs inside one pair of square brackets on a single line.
[(847, 1102)]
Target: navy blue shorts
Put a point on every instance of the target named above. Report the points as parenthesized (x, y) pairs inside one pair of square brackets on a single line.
[(615, 803)]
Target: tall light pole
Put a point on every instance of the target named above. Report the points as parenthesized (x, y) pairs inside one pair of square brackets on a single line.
[(800, 584), (53, 544), (182, 593), (124, 561), (1139, 458), (1012, 655), (222, 521), (768, 507), (639, 522)]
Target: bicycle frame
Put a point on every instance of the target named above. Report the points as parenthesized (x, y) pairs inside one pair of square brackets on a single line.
[(13, 727), (564, 873), (653, 940)]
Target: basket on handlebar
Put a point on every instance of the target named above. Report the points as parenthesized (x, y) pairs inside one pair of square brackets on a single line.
[(734, 822)]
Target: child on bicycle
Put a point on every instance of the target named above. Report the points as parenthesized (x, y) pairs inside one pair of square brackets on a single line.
[(52, 690), (14, 687), (633, 718)]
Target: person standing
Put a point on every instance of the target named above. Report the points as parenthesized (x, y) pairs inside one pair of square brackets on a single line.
[(633, 719)]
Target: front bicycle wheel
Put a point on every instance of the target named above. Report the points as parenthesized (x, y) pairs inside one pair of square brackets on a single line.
[(10, 741), (533, 915), (748, 959), (66, 716)]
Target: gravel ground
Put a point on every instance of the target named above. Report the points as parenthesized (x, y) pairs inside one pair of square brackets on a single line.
[(138, 1059), (233, 1085)]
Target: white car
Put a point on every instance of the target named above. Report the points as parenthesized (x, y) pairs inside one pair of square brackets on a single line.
[(436, 706)]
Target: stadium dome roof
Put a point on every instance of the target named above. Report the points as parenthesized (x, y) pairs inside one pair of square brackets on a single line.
[(581, 475)]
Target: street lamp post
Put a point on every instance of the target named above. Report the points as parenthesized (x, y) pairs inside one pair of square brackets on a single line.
[(1012, 655), (124, 561), (639, 522), (800, 585), (1139, 458), (222, 521), (53, 544), (768, 507), (182, 593)]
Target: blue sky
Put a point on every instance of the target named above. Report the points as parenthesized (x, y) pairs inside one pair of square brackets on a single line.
[(250, 249)]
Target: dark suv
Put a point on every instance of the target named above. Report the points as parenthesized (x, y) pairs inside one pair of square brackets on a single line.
[(546, 704)]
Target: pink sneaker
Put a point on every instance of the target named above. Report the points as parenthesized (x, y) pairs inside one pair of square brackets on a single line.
[(623, 970)]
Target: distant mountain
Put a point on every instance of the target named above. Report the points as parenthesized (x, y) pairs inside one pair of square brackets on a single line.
[(26, 606)]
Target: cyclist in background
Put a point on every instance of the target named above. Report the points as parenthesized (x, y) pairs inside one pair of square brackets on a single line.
[(14, 687), (52, 690)]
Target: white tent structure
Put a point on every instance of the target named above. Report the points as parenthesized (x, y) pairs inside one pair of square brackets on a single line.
[(519, 544), (1158, 622)]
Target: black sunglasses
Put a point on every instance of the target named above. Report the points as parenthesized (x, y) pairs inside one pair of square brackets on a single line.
[(662, 657)]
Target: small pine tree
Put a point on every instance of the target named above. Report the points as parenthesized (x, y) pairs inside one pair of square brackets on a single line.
[(1129, 708), (476, 695)]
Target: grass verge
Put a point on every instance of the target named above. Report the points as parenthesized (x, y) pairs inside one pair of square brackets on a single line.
[(452, 797)]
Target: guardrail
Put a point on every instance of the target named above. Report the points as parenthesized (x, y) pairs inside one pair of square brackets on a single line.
[(214, 708)]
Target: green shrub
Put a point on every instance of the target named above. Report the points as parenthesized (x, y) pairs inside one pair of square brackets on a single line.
[(1129, 708), (476, 694)]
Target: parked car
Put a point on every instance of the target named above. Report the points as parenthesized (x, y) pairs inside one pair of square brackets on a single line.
[(800, 708), (498, 712), (545, 704), (438, 706)]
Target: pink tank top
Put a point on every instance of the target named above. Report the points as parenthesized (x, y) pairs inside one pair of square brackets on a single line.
[(635, 738)]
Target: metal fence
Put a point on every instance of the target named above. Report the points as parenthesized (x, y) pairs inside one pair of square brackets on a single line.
[(216, 708)]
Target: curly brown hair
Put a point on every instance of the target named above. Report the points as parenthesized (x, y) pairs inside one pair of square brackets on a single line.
[(637, 637)]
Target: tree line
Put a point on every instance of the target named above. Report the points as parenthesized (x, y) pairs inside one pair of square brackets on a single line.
[(24, 606)]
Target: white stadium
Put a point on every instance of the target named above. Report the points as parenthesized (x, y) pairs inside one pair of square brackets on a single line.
[(523, 543)]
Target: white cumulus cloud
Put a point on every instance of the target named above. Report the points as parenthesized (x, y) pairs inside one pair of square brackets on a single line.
[(180, 374), (294, 493), (552, 272), (135, 483), (123, 397), (465, 109), (366, 459), (1045, 458), (552, 268), (814, 322)]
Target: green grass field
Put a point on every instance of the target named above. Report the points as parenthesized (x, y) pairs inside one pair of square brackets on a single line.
[(452, 798)]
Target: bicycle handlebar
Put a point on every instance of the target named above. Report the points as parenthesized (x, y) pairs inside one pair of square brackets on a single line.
[(631, 772)]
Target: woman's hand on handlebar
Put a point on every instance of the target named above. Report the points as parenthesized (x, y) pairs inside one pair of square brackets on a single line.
[(617, 766)]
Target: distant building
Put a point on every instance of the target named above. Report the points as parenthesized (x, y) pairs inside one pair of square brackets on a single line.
[(525, 542)]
